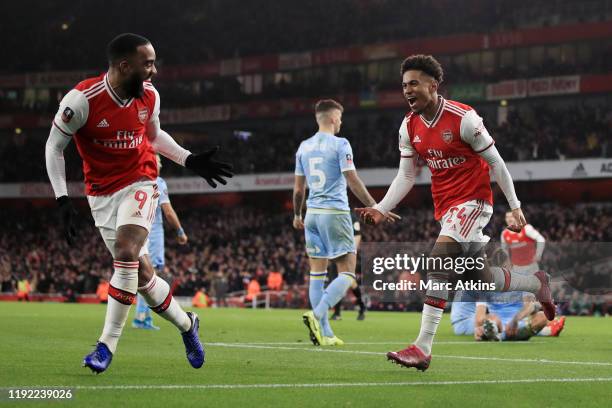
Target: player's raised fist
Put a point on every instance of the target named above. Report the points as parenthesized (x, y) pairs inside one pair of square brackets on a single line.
[(208, 168), (370, 215)]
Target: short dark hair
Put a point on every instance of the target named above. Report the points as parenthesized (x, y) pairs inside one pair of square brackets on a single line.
[(124, 45), (425, 63), (325, 105)]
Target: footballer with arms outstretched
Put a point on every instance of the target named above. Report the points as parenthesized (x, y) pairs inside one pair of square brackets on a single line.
[(452, 140), (114, 121)]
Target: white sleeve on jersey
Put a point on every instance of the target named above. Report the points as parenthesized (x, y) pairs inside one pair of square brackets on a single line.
[(474, 133), (401, 185), (539, 238), (72, 113), (54, 158), (70, 117), (161, 141), (405, 147), (155, 114), (502, 175)]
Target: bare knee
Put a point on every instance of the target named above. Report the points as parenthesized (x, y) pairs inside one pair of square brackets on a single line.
[(346, 263), (130, 239), (126, 250), (145, 271)]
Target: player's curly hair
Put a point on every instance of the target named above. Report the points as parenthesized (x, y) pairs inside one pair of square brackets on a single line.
[(425, 63)]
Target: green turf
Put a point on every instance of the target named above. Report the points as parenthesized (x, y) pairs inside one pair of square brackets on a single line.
[(43, 345)]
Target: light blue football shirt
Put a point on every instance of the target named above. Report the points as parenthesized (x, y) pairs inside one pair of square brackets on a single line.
[(157, 228), (321, 159), (505, 305)]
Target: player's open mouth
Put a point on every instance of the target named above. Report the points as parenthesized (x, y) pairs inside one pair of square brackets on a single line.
[(411, 100)]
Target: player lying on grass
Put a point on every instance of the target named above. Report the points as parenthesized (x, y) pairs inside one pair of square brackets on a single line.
[(515, 317)]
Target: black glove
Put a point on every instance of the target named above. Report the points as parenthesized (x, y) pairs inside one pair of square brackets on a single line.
[(208, 168), (68, 213)]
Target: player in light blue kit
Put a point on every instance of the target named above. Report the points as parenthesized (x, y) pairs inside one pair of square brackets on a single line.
[(463, 312), (325, 162), (143, 319)]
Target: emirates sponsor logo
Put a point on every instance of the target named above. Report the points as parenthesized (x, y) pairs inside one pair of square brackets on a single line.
[(125, 139), (439, 164), (103, 124)]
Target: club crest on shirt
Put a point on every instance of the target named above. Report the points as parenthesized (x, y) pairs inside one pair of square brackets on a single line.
[(67, 115), (143, 114), (447, 136)]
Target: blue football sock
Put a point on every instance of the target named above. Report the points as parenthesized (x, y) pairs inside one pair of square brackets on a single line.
[(315, 293), (334, 292), (142, 309)]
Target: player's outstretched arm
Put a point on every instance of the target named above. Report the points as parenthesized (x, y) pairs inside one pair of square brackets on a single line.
[(504, 180), (399, 188), (358, 188), (204, 164), (474, 133)]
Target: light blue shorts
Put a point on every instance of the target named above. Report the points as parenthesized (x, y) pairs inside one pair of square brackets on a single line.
[(328, 234)]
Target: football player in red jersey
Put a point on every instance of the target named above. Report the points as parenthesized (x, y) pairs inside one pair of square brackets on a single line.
[(114, 121), (451, 138), (524, 248)]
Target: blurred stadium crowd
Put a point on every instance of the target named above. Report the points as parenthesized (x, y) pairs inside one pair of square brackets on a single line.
[(231, 248), (537, 134), (63, 33)]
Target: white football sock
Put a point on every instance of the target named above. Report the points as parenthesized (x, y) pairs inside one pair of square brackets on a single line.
[(430, 319), (122, 291), (157, 295)]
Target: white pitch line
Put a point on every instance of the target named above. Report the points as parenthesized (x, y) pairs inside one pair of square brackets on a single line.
[(390, 343), (315, 385), (377, 353)]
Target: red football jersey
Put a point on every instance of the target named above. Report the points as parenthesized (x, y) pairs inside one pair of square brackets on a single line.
[(450, 144), (521, 247), (110, 134)]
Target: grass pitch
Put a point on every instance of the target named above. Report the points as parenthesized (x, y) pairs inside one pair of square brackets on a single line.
[(264, 358)]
